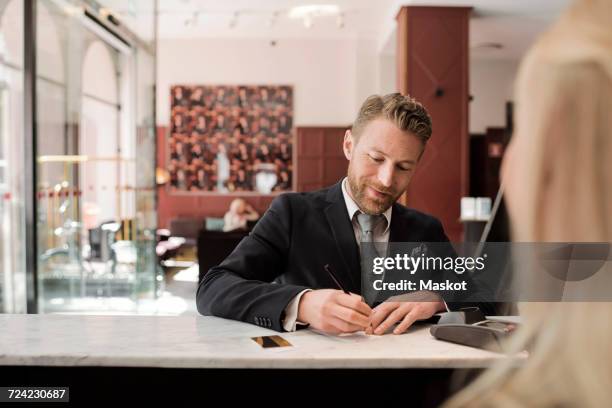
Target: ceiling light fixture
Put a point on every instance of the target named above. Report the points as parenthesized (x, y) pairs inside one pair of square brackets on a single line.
[(272, 19), (489, 46), (234, 20), (340, 20), (314, 10), (193, 20), (307, 21)]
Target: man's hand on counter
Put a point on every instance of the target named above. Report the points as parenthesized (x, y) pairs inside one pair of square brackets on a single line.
[(404, 311)]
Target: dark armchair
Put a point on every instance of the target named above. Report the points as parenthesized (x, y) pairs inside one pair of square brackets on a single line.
[(215, 246)]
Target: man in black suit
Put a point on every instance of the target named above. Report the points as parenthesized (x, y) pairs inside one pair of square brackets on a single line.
[(275, 277)]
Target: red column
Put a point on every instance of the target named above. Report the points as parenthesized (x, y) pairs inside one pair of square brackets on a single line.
[(432, 66)]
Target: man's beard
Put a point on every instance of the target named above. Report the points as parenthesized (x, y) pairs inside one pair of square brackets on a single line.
[(367, 204)]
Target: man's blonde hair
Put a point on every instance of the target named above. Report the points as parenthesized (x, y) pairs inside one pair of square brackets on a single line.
[(403, 110)]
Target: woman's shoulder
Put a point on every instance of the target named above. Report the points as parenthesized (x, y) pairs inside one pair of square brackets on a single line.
[(570, 43), (564, 57)]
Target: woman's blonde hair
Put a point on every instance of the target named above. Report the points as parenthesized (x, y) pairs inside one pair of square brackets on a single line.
[(564, 126)]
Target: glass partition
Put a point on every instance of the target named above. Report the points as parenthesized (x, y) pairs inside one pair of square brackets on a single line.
[(12, 213), (96, 162)]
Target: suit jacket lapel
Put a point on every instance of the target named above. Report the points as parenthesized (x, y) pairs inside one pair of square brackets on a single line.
[(342, 231), (397, 229), (401, 229)]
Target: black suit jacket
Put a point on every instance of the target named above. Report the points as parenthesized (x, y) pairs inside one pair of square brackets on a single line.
[(286, 251)]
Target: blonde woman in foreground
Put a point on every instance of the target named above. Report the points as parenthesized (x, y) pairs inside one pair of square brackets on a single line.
[(558, 184)]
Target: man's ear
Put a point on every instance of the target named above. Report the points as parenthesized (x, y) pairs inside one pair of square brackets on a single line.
[(348, 144)]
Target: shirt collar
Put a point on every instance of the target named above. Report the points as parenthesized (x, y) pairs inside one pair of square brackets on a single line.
[(352, 207)]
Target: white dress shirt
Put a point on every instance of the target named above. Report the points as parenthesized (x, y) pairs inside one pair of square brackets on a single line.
[(381, 234)]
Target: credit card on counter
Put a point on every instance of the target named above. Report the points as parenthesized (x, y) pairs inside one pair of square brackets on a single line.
[(271, 341)]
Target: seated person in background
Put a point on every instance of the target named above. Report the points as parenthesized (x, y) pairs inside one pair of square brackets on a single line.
[(240, 212)]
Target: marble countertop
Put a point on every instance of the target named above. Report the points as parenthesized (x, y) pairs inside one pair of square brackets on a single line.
[(210, 342)]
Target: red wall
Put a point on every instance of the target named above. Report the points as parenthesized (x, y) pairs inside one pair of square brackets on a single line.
[(320, 161)]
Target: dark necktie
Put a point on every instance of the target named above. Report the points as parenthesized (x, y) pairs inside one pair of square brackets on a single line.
[(367, 224)]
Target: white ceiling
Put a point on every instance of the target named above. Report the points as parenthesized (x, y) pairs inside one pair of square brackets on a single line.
[(512, 23), (361, 17)]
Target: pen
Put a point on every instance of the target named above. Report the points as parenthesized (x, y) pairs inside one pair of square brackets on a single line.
[(337, 282), (335, 278)]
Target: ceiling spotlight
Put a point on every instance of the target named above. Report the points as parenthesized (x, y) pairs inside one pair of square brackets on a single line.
[(193, 20), (307, 21), (234, 20), (489, 46), (272, 19), (340, 20), (314, 10)]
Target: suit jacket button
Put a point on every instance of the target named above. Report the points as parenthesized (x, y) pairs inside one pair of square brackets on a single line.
[(256, 318)]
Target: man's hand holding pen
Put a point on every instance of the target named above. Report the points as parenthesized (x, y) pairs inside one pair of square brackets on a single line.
[(334, 311), (339, 311)]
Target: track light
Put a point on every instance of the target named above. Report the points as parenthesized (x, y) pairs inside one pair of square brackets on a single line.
[(234, 20), (340, 20), (193, 20), (307, 21), (272, 19)]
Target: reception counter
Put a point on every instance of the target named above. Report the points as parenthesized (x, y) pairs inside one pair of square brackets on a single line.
[(210, 342)]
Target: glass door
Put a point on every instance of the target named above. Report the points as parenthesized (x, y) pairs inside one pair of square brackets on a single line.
[(96, 160), (12, 215)]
